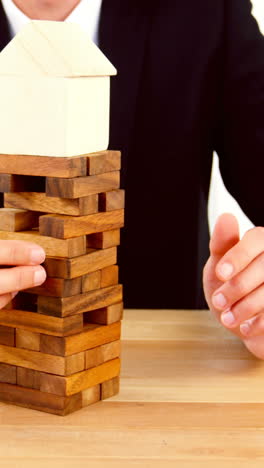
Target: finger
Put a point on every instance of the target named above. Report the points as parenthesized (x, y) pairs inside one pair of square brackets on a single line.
[(18, 278), (20, 253), (241, 255), (240, 285), (254, 326), (6, 298)]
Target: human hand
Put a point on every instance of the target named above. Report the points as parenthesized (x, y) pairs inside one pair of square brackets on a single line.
[(234, 281), (26, 272)]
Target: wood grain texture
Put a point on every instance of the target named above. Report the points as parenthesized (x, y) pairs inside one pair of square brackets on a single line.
[(91, 281), (109, 276), (85, 302), (47, 166), (58, 287), (42, 203), (65, 227), (104, 240), (40, 401), (13, 219), (91, 395), (92, 336), (73, 268), (112, 200), (27, 340), (7, 335), (106, 315), (110, 388), (28, 378), (34, 360), (104, 161), (41, 323), (66, 386), (53, 247), (11, 183), (8, 374), (97, 356)]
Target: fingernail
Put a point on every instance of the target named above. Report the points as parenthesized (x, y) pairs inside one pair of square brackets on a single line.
[(219, 301), (245, 327), (37, 256), (228, 318), (225, 270), (39, 277)]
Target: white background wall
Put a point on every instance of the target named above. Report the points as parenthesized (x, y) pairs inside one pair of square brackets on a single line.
[(220, 201)]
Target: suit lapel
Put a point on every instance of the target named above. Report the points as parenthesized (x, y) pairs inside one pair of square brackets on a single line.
[(4, 30)]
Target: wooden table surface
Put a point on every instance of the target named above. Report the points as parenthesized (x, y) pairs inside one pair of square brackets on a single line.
[(191, 395)]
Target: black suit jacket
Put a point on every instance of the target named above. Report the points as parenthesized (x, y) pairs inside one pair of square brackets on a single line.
[(191, 80)]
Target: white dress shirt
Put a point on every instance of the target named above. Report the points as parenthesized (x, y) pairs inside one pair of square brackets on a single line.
[(86, 14)]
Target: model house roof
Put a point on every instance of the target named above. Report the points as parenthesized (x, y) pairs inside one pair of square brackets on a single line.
[(53, 49)]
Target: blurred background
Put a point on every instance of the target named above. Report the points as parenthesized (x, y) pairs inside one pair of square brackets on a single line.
[(220, 201)]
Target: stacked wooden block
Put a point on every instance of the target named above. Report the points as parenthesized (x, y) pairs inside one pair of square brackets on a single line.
[(60, 342)]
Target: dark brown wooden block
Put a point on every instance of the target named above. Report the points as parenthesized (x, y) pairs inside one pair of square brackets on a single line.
[(41, 323), (109, 276), (104, 161), (53, 247), (13, 219), (7, 336), (58, 287), (97, 356), (110, 388), (112, 200), (63, 307), (24, 301), (65, 227), (8, 374), (10, 183), (28, 378), (104, 240), (106, 315), (74, 267), (82, 186), (48, 166), (91, 281), (42, 203)]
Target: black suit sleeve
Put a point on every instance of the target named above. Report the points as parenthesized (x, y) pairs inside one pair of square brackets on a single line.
[(240, 131)]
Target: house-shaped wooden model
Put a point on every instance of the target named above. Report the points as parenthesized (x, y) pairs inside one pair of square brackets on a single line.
[(54, 92)]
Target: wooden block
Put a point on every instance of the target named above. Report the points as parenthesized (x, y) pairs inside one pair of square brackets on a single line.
[(35, 360), (41, 323), (104, 240), (10, 183), (109, 276), (28, 378), (105, 161), (58, 287), (65, 227), (91, 281), (7, 336), (41, 202), (66, 386), (97, 356), (110, 388), (112, 200), (12, 219), (47, 166), (8, 374), (40, 401), (91, 395), (24, 301), (91, 337), (74, 267), (27, 340), (82, 186), (53, 247), (105, 315), (65, 306)]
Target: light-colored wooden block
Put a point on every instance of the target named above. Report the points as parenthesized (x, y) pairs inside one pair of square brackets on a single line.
[(58, 287), (74, 113), (110, 388), (42, 166), (82, 186), (13, 219), (65, 227), (7, 336), (109, 276), (28, 378), (74, 267), (27, 340), (34, 399), (106, 315), (42, 203), (104, 240), (10, 183), (106, 161), (91, 395), (85, 302), (91, 281), (53, 247), (66, 386), (8, 374), (92, 336), (41, 323), (113, 200), (97, 356)]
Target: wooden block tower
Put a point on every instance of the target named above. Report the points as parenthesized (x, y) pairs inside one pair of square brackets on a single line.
[(60, 342)]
